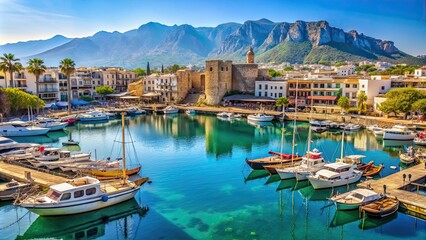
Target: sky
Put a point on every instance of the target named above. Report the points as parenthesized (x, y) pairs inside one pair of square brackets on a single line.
[(401, 21)]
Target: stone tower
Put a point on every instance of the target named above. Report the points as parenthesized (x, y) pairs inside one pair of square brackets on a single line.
[(250, 56), (218, 80)]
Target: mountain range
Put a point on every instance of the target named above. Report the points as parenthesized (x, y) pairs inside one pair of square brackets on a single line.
[(299, 42)]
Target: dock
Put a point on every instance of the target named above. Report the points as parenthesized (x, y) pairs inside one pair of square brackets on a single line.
[(11, 171), (411, 201)]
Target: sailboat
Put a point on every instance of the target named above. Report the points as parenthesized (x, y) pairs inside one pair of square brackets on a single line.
[(70, 141), (84, 194)]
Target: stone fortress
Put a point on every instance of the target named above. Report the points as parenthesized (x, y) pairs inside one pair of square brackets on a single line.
[(221, 77)]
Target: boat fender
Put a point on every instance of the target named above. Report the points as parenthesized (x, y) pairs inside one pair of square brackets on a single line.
[(149, 181), (104, 198)]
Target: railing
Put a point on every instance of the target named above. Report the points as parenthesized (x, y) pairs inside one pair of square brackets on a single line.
[(47, 90)]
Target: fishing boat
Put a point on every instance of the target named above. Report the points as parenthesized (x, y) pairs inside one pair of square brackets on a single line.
[(12, 189), (94, 116), (354, 199), (335, 174), (51, 124), (260, 117), (170, 110), (398, 132), (408, 157), (372, 170), (311, 162), (20, 129), (84, 194), (381, 208)]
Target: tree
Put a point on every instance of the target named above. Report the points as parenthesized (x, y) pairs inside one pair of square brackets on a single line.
[(67, 67), (36, 67), (139, 71), (104, 90), (17, 99), (175, 67), (401, 100), (283, 102), (273, 73), (10, 64), (362, 102), (419, 105), (344, 103), (289, 68), (341, 63)]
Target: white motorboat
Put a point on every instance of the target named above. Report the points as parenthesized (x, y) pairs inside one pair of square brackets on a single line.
[(8, 145), (311, 163), (94, 116), (351, 127), (51, 124), (354, 199), (225, 115), (334, 175), (378, 133), (398, 132), (65, 157), (409, 157), (238, 115), (170, 110), (190, 112), (420, 141), (134, 111), (20, 129), (319, 126), (260, 117), (78, 196), (372, 128)]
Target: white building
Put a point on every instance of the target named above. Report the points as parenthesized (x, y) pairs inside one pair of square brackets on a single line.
[(274, 88), (346, 70), (166, 85), (382, 65), (421, 72), (374, 87), (149, 83)]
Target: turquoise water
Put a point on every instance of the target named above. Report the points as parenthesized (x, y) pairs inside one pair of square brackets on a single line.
[(202, 188)]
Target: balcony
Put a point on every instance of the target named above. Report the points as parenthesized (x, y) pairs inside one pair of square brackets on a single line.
[(48, 90), (48, 80)]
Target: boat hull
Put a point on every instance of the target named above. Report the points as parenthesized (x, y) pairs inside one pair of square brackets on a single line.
[(113, 173), (391, 136), (89, 119), (302, 176), (286, 174), (260, 119), (321, 184), (87, 206), (346, 206), (25, 133)]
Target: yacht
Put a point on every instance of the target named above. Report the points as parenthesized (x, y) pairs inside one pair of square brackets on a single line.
[(20, 129), (80, 195), (51, 124), (170, 110), (312, 162), (334, 175), (260, 117), (354, 199), (94, 116), (398, 132)]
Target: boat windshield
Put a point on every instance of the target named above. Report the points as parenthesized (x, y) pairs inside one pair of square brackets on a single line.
[(53, 195)]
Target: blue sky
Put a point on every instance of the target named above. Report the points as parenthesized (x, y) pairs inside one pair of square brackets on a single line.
[(402, 21)]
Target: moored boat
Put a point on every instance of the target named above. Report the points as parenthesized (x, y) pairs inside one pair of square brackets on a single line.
[(51, 124), (94, 116), (13, 189), (381, 208), (190, 112), (398, 132), (20, 129), (260, 117), (373, 170), (170, 110), (335, 174), (408, 157), (354, 199)]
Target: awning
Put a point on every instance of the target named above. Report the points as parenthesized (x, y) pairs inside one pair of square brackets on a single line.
[(79, 103), (130, 97), (151, 94), (117, 94), (331, 98), (61, 104)]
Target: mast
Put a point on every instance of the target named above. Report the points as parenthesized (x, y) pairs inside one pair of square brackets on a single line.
[(343, 142), (294, 125), (310, 126), (123, 147)]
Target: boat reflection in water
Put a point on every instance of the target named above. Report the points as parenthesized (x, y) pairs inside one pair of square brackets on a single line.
[(344, 217), (260, 124), (82, 226), (369, 223), (256, 174)]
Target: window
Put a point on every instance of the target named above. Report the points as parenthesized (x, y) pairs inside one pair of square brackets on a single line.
[(266, 86), (275, 95), (90, 191), (354, 85), (79, 193), (281, 87), (329, 85), (221, 69), (363, 86), (226, 68), (272, 87), (338, 85), (260, 86), (321, 85), (271, 94), (347, 95), (66, 196), (383, 87), (316, 85), (211, 69), (347, 85), (275, 87), (280, 94)]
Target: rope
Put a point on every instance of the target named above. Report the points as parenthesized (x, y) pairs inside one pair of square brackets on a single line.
[(15, 222)]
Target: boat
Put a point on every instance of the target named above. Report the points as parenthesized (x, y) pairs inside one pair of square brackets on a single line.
[(334, 125), (84, 194), (335, 174), (65, 157), (351, 127), (8, 146), (260, 117), (69, 119), (170, 110), (318, 126), (238, 115), (398, 132), (409, 157), (20, 129), (420, 139), (51, 124), (355, 198), (190, 112), (381, 208), (378, 133), (134, 111), (372, 128), (258, 164), (311, 162), (13, 189), (372, 170), (94, 116), (70, 142)]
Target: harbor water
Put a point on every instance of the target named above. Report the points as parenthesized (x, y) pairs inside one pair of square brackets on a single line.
[(203, 189)]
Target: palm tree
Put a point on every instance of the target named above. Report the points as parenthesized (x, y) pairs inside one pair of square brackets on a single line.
[(344, 103), (67, 67), (36, 67), (283, 102), (362, 102), (10, 64)]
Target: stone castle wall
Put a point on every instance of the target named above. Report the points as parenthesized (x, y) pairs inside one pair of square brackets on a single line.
[(198, 81), (184, 84), (244, 77), (218, 80)]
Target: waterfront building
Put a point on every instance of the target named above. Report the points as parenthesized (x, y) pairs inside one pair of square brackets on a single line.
[(375, 86), (274, 88), (346, 70), (118, 78), (421, 72)]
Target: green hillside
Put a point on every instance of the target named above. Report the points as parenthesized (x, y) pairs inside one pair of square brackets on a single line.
[(293, 52)]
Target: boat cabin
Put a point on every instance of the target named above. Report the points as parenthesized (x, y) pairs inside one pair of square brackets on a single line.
[(362, 195), (64, 154), (73, 190), (351, 159)]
